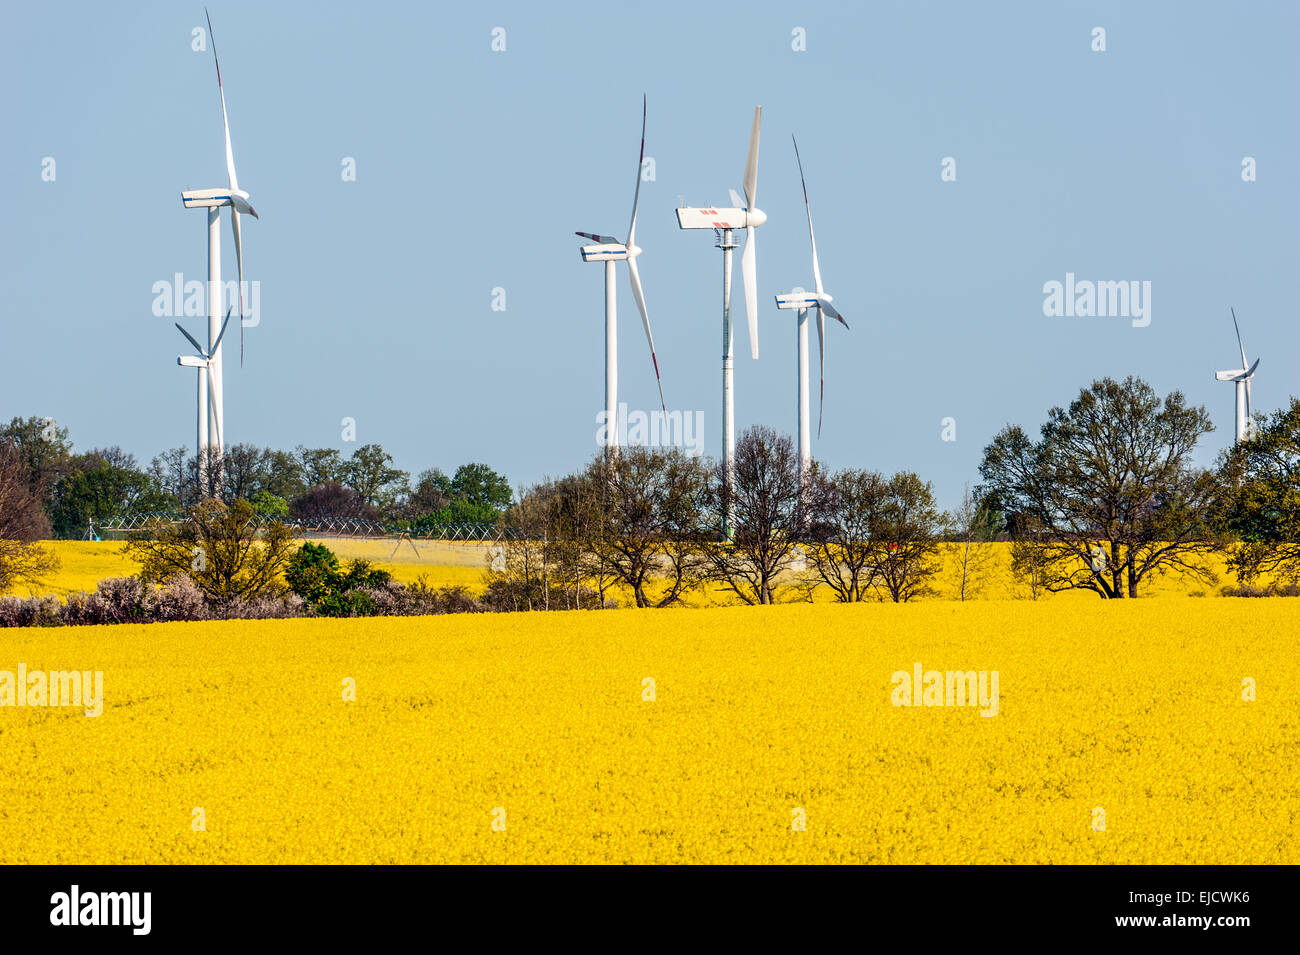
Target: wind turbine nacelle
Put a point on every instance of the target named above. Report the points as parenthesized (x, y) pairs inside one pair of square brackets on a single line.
[(689, 217), (191, 361), (604, 252), (801, 300), (205, 198)]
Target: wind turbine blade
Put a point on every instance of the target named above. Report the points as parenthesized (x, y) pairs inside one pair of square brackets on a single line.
[(202, 351), (230, 156), (214, 402), (636, 196), (243, 206), (1237, 327), (749, 273), (821, 351), (830, 310), (736, 201), (239, 267), (222, 334), (1248, 410), (634, 276), (817, 272), (751, 162), (598, 238)]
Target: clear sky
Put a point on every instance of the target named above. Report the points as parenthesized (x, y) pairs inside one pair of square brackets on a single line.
[(474, 168)]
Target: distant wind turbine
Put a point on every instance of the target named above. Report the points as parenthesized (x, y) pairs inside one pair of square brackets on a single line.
[(609, 250), (803, 301), (745, 216), (209, 397), (1241, 377), (213, 200)]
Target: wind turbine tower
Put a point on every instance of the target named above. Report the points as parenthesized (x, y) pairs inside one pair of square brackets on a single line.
[(724, 221), (1241, 378), (803, 302), (210, 437), (609, 251)]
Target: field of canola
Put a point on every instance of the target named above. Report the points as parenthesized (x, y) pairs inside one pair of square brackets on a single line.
[(540, 723), (84, 563)]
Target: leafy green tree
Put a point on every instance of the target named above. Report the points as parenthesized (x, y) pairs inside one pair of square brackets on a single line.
[(314, 574), (318, 466), (282, 474), (44, 449), (269, 505), (432, 493), (1110, 489), (1262, 504), (479, 484), (311, 572), (370, 473), (100, 485)]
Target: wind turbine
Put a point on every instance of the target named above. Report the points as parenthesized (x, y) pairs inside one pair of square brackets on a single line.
[(209, 398), (723, 222), (1241, 377), (803, 301), (213, 200), (609, 250)]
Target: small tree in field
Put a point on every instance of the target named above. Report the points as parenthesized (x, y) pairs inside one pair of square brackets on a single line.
[(768, 510), (905, 538), (1111, 488), (840, 549), (973, 528), (648, 505), (220, 547)]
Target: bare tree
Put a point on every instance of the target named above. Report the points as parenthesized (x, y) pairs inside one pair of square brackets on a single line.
[(905, 538), (23, 523), (767, 510), (841, 553), (650, 504), (220, 547), (521, 566), (973, 528)]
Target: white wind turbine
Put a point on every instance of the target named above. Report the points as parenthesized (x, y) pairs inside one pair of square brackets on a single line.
[(1241, 377), (723, 221), (209, 398), (210, 441), (803, 301), (609, 250)]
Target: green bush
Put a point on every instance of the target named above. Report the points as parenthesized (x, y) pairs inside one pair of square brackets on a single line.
[(314, 575)]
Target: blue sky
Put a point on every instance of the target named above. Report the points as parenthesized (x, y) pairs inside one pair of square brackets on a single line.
[(475, 167)]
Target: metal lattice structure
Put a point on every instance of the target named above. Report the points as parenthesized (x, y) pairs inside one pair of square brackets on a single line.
[(135, 520), (330, 527), (469, 533)]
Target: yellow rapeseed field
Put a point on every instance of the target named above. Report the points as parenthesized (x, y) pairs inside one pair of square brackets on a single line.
[(84, 563), (1123, 734)]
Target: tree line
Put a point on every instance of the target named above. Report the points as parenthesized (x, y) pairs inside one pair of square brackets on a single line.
[(1105, 498), (77, 490)]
